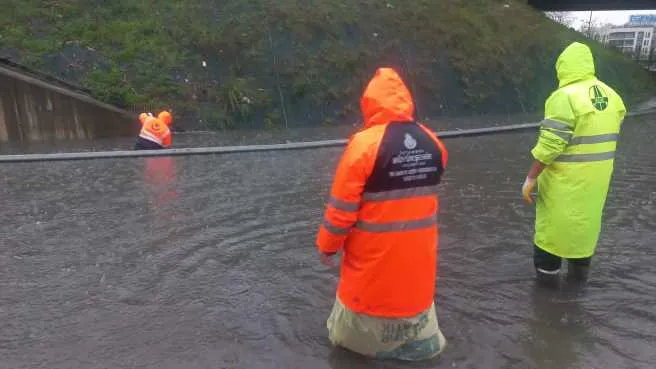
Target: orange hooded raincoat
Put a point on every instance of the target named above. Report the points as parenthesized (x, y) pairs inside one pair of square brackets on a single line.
[(384, 204), (155, 130)]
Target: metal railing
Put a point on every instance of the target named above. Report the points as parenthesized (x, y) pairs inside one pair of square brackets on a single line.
[(25, 158)]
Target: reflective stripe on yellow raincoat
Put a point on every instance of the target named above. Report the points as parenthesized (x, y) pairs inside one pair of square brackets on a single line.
[(577, 143)]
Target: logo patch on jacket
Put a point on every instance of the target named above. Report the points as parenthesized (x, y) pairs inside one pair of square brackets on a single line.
[(407, 158), (598, 98), (409, 142)]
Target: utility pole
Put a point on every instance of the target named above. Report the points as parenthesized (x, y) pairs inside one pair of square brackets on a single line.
[(590, 25)]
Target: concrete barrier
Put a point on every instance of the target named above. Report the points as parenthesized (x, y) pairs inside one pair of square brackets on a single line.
[(32, 109)]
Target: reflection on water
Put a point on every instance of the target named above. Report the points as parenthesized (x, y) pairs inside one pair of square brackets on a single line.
[(208, 262), (560, 328), (160, 176)]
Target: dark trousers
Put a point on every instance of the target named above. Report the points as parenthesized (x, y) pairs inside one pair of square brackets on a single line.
[(143, 144), (548, 262)]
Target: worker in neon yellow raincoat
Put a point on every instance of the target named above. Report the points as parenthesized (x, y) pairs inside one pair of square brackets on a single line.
[(574, 159)]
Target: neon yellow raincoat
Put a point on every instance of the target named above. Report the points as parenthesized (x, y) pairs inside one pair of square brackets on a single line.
[(577, 142)]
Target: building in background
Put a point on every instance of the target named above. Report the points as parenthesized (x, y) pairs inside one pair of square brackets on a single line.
[(631, 40), (637, 38)]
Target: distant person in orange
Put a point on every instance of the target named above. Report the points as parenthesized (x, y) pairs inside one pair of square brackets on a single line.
[(155, 132), (382, 215)]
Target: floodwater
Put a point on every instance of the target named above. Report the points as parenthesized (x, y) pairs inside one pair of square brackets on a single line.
[(208, 262)]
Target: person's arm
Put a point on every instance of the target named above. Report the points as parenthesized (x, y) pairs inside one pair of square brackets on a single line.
[(536, 169), (556, 130), (531, 179), (440, 145), (143, 117), (344, 204), (167, 139)]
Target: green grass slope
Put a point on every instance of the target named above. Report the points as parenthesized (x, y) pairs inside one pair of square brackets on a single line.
[(301, 62)]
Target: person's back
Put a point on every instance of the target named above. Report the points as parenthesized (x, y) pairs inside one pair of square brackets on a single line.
[(576, 149), (383, 213), (154, 134)]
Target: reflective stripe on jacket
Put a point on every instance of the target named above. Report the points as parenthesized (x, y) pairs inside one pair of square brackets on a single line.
[(156, 131), (577, 141), (383, 206)]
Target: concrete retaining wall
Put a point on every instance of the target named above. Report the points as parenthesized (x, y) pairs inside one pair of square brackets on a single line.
[(34, 110)]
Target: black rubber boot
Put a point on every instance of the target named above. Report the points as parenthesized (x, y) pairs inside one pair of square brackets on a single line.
[(550, 279), (577, 273)]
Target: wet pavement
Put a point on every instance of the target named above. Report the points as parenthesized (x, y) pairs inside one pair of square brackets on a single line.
[(208, 262)]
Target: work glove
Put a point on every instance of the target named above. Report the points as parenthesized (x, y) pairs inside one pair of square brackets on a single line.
[(527, 189)]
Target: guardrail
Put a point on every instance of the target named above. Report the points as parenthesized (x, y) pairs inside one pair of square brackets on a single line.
[(235, 149)]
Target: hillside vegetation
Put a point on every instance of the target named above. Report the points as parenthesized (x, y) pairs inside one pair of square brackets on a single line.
[(300, 62)]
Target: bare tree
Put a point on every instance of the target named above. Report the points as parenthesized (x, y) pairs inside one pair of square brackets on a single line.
[(595, 30), (564, 18)]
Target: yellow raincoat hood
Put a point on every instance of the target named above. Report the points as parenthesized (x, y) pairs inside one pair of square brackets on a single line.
[(575, 64)]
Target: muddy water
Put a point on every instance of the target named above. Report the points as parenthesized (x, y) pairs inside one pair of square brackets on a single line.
[(208, 262)]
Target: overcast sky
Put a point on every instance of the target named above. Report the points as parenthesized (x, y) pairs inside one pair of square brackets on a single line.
[(614, 17)]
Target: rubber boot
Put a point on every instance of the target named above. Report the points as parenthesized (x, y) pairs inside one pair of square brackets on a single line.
[(547, 279), (577, 273)]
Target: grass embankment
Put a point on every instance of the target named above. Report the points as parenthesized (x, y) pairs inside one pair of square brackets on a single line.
[(300, 62)]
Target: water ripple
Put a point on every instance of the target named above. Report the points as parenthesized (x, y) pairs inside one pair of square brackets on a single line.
[(209, 261)]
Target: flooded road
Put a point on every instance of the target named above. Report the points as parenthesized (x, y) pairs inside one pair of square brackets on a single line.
[(208, 262)]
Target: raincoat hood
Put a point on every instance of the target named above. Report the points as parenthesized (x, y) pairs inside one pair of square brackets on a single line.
[(386, 99), (165, 117), (575, 64)]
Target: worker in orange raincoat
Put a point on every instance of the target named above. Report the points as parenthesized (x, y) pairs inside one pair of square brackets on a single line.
[(382, 215), (155, 132)]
